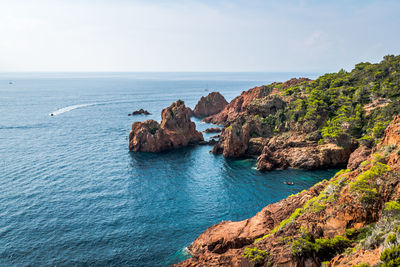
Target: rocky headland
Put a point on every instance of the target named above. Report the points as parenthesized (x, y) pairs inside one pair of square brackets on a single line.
[(344, 118), (350, 220), (176, 130)]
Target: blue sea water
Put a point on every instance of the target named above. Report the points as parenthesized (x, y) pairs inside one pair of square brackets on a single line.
[(72, 194)]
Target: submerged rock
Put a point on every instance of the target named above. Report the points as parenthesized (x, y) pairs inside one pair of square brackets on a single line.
[(211, 104), (210, 142), (176, 130)]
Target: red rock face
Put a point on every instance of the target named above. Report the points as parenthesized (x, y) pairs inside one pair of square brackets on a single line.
[(227, 239), (176, 130), (328, 209), (392, 133), (238, 105), (301, 154), (358, 156), (210, 105), (242, 104)]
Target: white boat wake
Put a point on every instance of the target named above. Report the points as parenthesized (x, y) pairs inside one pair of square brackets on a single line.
[(69, 108)]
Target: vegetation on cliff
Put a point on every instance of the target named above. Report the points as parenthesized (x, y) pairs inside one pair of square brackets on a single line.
[(354, 218), (312, 124), (359, 103)]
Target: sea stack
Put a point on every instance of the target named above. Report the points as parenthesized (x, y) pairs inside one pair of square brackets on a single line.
[(211, 104), (176, 130)]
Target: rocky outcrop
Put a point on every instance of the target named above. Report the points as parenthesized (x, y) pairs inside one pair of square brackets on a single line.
[(140, 112), (260, 100), (230, 237), (238, 105), (266, 106), (290, 149), (213, 130), (282, 152), (235, 139), (358, 156), (211, 104), (176, 130), (349, 220)]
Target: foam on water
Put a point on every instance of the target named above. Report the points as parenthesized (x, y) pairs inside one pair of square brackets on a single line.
[(69, 108)]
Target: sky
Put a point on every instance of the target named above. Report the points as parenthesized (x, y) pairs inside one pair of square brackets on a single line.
[(190, 35)]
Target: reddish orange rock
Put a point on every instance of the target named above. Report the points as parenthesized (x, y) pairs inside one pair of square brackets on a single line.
[(176, 130), (290, 227), (210, 105)]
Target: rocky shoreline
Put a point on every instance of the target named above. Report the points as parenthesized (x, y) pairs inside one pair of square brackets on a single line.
[(317, 225), (337, 120)]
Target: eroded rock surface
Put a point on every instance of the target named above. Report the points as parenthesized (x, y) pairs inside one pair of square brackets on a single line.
[(352, 205), (211, 104), (176, 130)]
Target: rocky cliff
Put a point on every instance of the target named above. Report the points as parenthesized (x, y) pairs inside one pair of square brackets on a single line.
[(351, 220), (176, 130), (311, 124), (211, 104)]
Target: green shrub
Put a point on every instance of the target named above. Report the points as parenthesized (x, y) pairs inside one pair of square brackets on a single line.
[(391, 238), (391, 257), (365, 182), (392, 205), (255, 255), (323, 248)]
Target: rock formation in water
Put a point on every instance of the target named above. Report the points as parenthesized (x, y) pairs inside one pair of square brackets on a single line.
[(213, 130), (351, 220), (140, 112), (211, 104), (176, 130)]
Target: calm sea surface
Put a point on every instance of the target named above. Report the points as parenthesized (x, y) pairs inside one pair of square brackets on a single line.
[(72, 194)]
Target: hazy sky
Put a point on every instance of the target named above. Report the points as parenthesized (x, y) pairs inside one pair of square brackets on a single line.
[(123, 35)]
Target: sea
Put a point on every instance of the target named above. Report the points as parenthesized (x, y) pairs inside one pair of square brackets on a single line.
[(71, 193)]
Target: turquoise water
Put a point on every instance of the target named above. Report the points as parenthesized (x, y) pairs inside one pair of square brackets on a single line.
[(72, 194)]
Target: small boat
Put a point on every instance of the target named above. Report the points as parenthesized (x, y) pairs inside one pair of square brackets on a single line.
[(51, 114), (10, 82), (289, 183)]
